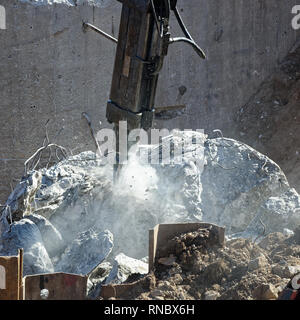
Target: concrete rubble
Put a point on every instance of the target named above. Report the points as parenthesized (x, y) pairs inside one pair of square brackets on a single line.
[(124, 267), (97, 278), (91, 246), (71, 218), (25, 234), (52, 239), (240, 270), (241, 185)]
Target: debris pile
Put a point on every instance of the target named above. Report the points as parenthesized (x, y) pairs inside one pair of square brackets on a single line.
[(71, 217), (241, 270)]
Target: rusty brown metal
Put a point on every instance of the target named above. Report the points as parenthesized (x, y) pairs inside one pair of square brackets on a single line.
[(60, 286), (118, 291), (21, 287), (11, 274)]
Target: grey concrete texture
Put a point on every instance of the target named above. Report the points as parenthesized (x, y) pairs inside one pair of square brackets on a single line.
[(51, 69)]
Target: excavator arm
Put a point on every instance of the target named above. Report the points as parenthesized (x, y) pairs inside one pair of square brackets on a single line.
[(143, 42)]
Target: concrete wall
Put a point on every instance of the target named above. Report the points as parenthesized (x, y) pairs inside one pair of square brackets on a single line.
[(51, 69)]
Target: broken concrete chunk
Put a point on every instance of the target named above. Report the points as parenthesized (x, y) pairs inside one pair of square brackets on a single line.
[(25, 234), (280, 271), (211, 295), (265, 292), (67, 182), (97, 277), (258, 263), (290, 271), (288, 232), (101, 271), (145, 259), (19, 201), (52, 239), (177, 279), (268, 242), (281, 212), (166, 286), (87, 251), (123, 267), (157, 294), (167, 261), (235, 182), (214, 272)]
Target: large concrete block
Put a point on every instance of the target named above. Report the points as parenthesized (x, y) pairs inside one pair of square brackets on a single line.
[(51, 69)]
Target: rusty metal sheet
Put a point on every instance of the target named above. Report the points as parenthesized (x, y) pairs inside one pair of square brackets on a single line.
[(60, 286), (119, 291), (11, 274)]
